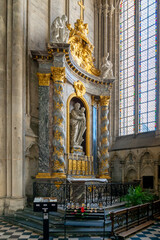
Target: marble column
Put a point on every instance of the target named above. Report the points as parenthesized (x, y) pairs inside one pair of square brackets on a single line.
[(58, 161), (2, 100), (104, 166), (44, 165)]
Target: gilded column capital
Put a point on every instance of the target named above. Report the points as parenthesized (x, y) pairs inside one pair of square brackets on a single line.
[(44, 79), (104, 100), (58, 74)]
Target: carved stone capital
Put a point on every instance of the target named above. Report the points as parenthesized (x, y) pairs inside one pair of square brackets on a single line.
[(58, 74), (104, 100), (44, 79)]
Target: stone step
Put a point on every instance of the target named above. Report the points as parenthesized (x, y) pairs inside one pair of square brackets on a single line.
[(34, 222), (37, 217)]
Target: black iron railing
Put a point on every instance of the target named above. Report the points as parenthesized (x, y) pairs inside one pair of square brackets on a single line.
[(91, 193)]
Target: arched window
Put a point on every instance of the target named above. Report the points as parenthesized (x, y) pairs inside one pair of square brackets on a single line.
[(138, 66)]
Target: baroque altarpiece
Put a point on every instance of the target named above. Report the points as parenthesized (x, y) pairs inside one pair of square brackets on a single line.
[(74, 100)]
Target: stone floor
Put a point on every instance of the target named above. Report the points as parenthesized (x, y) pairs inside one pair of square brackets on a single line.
[(8, 231), (11, 232), (150, 233)]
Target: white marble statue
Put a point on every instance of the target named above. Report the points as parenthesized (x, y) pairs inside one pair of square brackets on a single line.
[(106, 68), (77, 125), (59, 30)]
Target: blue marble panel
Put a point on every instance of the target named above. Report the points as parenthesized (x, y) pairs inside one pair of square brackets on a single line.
[(43, 129)]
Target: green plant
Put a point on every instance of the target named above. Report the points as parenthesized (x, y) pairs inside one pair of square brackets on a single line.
[(137, 196)]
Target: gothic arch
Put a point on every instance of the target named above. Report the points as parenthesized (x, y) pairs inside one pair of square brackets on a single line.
[(129, 154), (143, 153), (87, 122), (131, 174), (116, 168), (147, 164)]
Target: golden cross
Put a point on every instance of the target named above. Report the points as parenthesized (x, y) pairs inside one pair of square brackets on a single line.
[(80, 3)]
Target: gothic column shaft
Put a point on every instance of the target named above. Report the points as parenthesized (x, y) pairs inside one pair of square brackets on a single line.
[(110, 30), (123, 171), (139, 170), (2, 98), (100, 33), (44, 82), (156, 176), (104, 103), (96, 33), (105, 27), (17, 101), (58, 162), (9, 99)]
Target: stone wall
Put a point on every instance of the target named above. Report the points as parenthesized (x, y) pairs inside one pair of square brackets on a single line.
[(134, 164)]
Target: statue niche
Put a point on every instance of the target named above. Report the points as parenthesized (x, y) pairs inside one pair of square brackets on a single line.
[(77, 127)]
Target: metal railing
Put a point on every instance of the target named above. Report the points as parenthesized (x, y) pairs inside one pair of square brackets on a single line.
[(105, 194), (125, 219)]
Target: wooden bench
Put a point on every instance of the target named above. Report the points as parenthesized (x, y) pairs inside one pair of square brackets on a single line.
[(84, 223), (135, 229)]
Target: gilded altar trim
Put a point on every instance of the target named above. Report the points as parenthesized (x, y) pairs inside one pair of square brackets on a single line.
[(87, 123), (104, 100), (58, 175), (49, 175), (105, 176), (58, 74), (43, 175), (44, 79), (80, 89)]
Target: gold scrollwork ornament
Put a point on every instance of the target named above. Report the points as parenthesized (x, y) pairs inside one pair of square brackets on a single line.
[(79, 88)]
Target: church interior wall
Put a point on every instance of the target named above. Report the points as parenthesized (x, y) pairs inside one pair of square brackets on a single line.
[(38, 17), (135, 164), (38, 26)]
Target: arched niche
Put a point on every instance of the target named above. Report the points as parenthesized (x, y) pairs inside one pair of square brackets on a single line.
[(116, 169), (131, 175), (71, 100)]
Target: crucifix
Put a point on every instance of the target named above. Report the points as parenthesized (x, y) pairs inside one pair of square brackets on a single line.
[(80, 3)]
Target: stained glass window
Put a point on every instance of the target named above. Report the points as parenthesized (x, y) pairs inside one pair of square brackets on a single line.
[(147, 64), (127, 65), (138, 72)]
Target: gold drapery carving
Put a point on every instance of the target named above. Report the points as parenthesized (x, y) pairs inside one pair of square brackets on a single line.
[(81, 47)]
